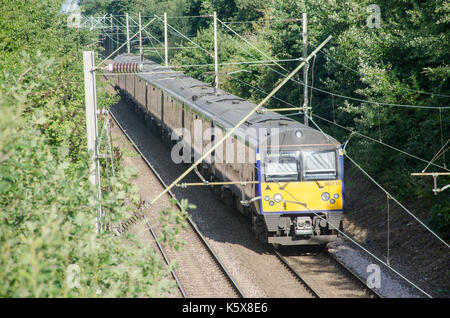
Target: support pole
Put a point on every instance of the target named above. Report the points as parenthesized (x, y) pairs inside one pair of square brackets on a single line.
[(118, 49), (111, 30), (305, 70), (91, 124), (128, 34), (117, 37), (166, 41), (141, 55), (216, 61)]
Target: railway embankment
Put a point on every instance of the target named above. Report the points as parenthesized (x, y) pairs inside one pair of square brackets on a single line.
[(395, 237)]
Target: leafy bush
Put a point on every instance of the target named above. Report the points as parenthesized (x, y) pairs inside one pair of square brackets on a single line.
[(48, 239), (440, 218)]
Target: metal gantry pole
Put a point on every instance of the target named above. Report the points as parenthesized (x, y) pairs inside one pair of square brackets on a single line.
[(166, 41), (305, 70), (117, 36), (128, 34), (91, 125), (141, 54), (111, 30), (216, 62)]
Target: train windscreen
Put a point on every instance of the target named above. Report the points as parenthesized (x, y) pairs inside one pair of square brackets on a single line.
[(283, 166), (319, 165)]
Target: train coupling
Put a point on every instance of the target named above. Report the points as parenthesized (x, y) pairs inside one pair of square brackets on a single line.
[(303, 225)]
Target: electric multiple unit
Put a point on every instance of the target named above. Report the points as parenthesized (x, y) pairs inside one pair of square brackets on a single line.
[(299, 194)]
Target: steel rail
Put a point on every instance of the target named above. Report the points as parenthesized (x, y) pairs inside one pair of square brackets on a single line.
[(347, 271), (302, 280), (161, 249), (350, 273), (222, 267), (166, 259)]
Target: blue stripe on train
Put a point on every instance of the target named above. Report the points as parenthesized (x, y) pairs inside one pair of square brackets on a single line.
[(258, 178), (341, 159)]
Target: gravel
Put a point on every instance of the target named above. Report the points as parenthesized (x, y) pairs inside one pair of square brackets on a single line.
[(199, 275), (391, 285)]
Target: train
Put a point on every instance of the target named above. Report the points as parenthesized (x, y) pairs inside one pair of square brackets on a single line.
[(291, 181)]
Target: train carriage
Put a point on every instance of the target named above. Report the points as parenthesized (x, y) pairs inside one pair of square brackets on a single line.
[(299, 195)]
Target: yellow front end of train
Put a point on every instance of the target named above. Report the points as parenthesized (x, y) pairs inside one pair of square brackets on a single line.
[(297, 196), (301, 193)]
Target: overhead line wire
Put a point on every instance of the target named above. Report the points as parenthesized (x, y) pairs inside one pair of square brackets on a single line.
[(150, 36), (380, 142), (364, 74), (396, 201), (125, 43), (327, 92), (348, 129), (362, 247), (185, 37)]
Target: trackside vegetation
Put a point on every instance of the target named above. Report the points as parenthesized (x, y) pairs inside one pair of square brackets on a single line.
[(48, 242)]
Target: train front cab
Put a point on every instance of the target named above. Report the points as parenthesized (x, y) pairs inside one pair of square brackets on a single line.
[(302, 193)]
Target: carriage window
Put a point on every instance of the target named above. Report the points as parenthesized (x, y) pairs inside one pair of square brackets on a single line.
[(319, 165), (283, 166)]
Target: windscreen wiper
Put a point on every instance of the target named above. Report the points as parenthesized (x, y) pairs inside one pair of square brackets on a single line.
[(318, 184)]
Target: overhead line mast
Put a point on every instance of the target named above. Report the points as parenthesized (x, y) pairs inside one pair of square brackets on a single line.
[(305, 70), (128, 35), (141, 53), (166, 41), (216, 61)]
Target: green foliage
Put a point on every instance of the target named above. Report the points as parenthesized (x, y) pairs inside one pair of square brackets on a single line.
[(172, 220), (47, 205), (440, 218)]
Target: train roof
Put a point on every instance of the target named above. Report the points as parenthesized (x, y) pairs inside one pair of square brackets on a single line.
[(224, 108)]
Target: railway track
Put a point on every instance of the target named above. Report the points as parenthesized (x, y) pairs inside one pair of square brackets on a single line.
[(350, 273), (238, 292), (307, 267), (307, 281), (297, 276)]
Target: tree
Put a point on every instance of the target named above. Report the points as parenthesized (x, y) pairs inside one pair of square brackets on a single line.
[(48, 241)]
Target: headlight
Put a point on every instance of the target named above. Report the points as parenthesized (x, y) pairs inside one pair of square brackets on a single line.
[(267, 198), (271, 203), (332, 201), (336, 196), (325, 196), (278, 198)]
